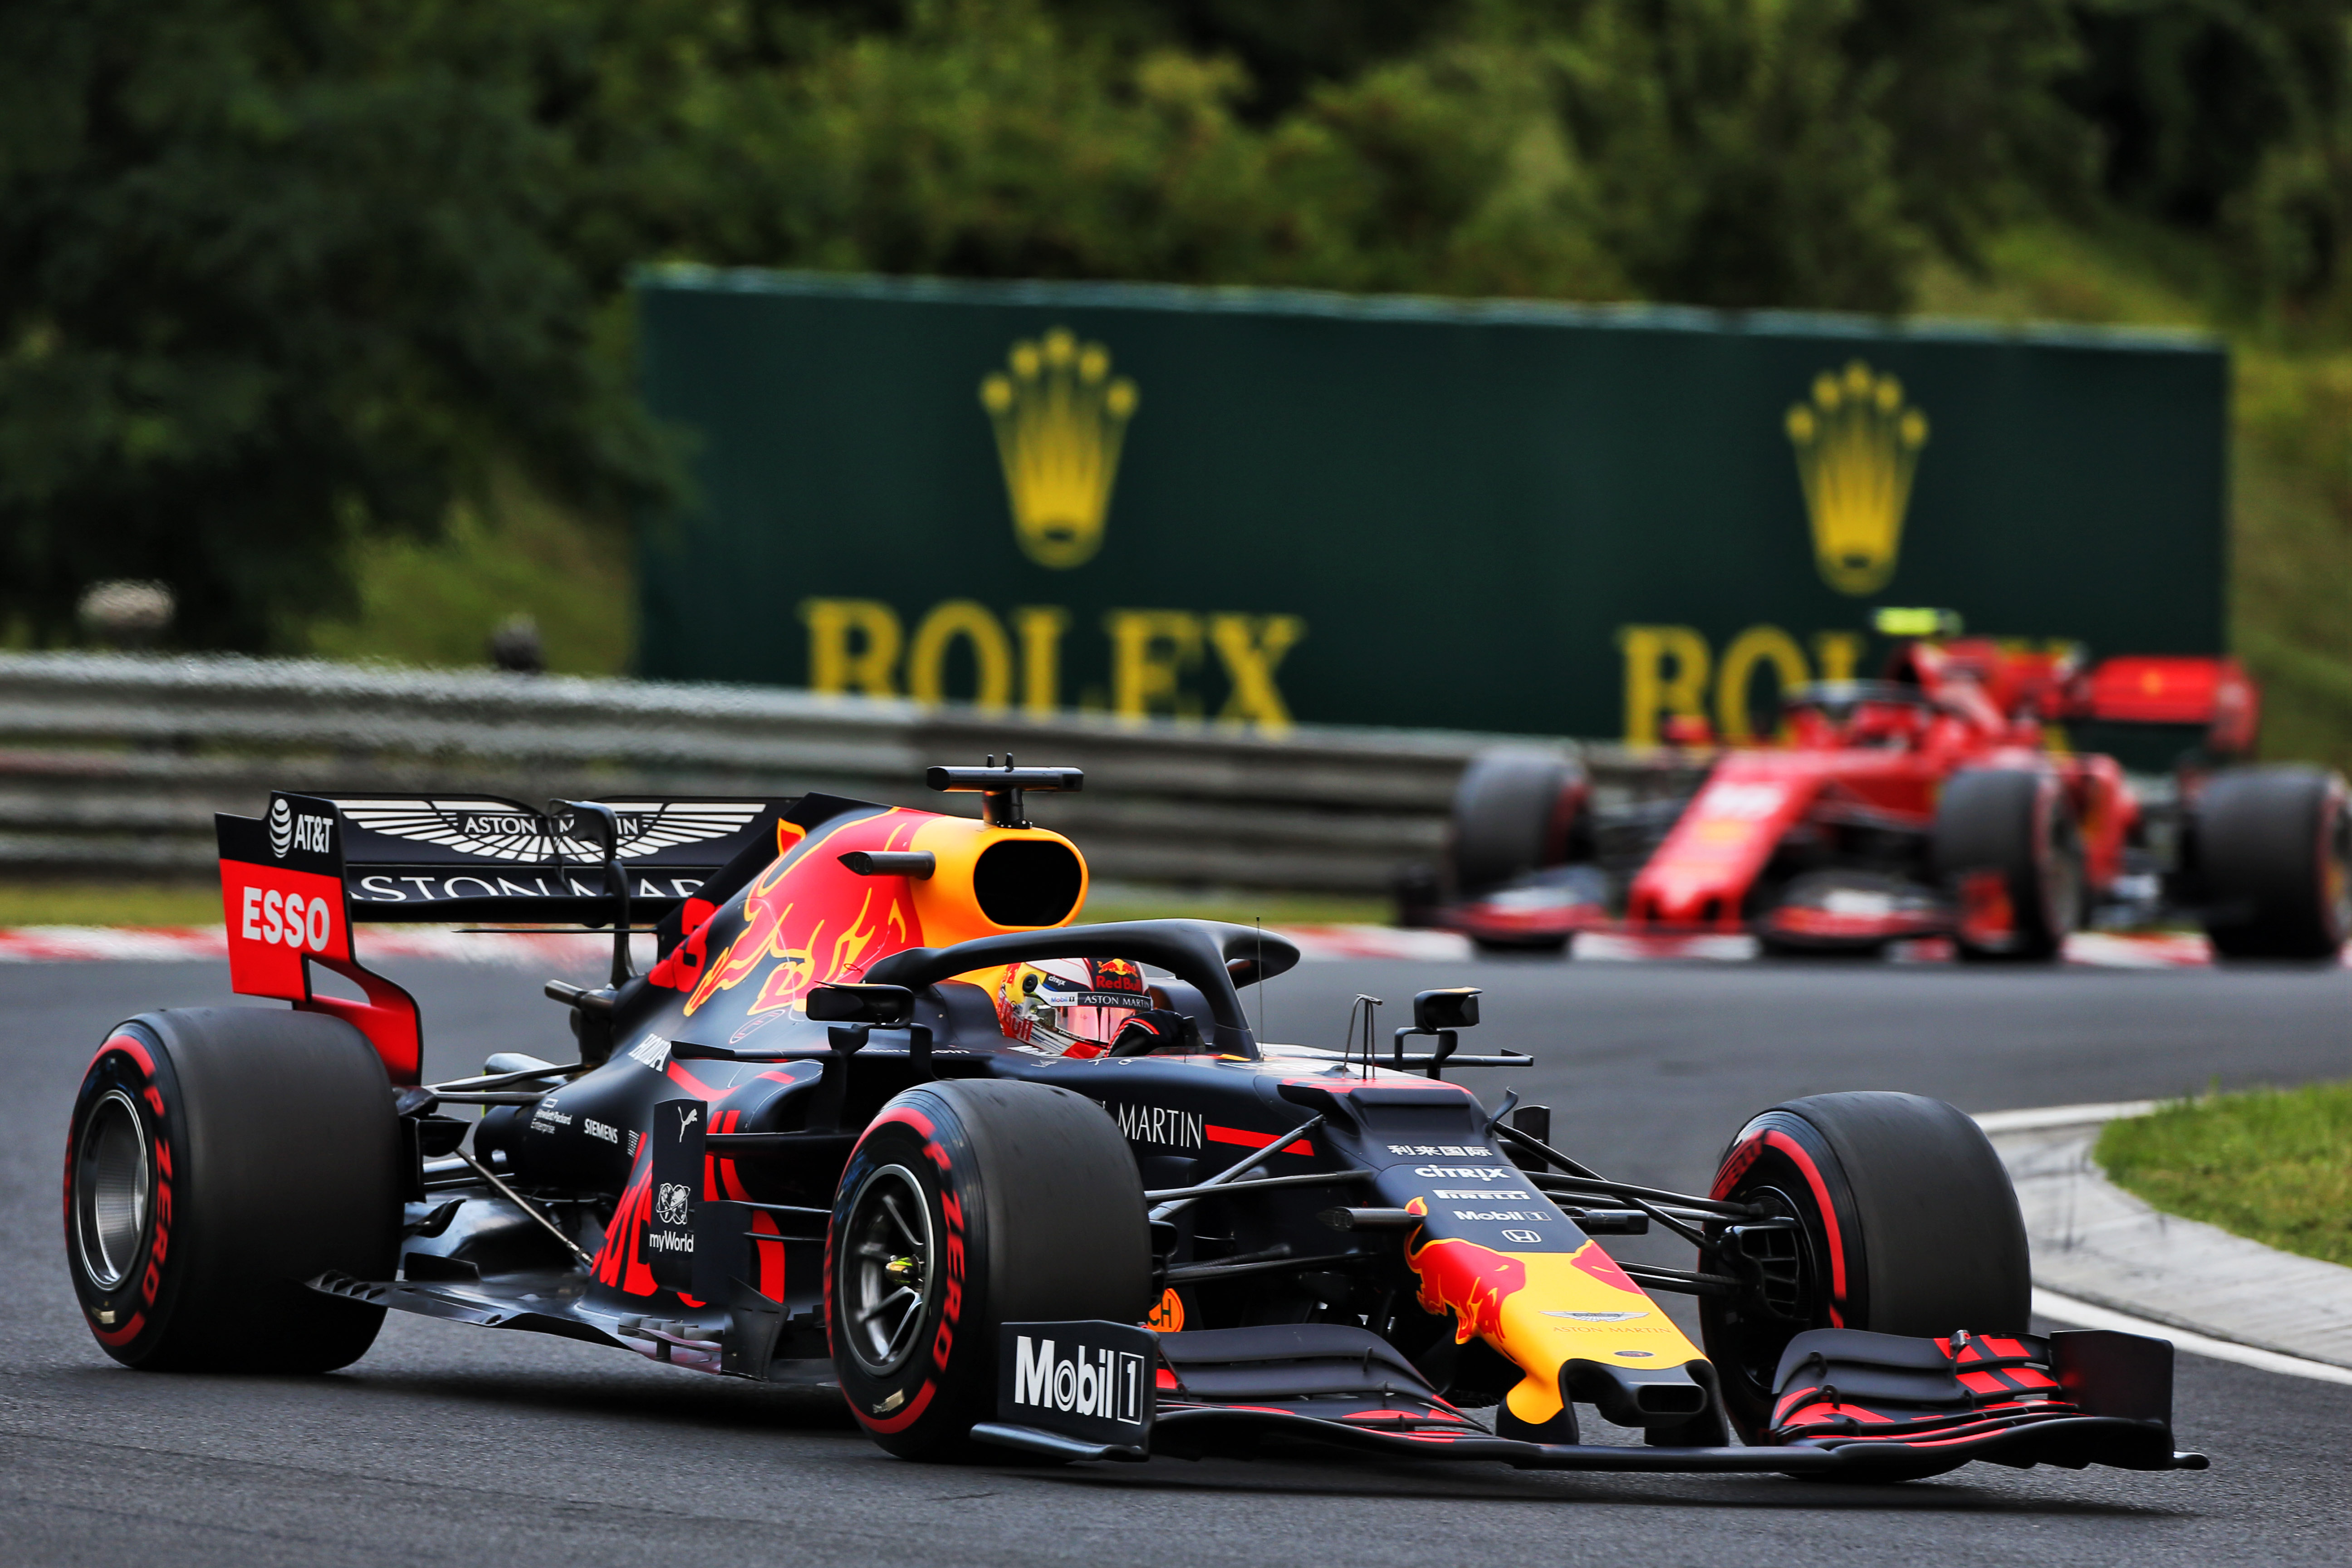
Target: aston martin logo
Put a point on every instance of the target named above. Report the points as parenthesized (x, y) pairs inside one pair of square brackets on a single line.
[(1060, 415), (1857, 444), (479, 828)]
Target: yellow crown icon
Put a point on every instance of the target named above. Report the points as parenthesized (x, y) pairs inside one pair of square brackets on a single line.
[(1857, 446), (1060, 415)]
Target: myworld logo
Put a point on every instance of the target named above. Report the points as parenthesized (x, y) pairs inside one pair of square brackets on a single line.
[(1105, 1383)]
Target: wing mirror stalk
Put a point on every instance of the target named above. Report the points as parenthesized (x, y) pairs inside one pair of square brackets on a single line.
[(1438, 1014), (855, 1012)]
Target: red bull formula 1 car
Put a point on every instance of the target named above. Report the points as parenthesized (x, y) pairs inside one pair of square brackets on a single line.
[(1939, 800), (880, 1120)]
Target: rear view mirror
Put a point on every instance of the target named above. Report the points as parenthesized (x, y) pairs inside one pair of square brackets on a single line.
[(1456, 1007), (883, 1007)]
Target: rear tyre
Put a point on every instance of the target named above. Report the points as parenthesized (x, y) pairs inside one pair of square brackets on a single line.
[(2273, 854), (1898, 1218), (966, 1205), (1515, 812), (2007, 848), (218, 1158)]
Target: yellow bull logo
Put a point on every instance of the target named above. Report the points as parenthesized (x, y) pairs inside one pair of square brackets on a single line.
[(1857, 444), (1060, 415)]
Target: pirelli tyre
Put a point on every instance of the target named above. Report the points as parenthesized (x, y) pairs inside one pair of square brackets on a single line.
[(217, 1158), (2273, 848), (1513, 812), (1883, 1212), (2006, 849), (966, 1205)]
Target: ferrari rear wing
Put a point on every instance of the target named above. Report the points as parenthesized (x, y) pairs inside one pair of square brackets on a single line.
[(2214, 693)]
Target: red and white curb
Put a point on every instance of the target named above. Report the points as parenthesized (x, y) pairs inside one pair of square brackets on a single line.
[(125, 945), (2100, 949)]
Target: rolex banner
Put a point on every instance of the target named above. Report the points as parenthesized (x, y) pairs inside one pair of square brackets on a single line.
[(1265, 509)]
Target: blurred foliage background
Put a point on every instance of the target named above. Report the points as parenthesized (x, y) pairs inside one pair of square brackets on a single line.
[(318, 314)]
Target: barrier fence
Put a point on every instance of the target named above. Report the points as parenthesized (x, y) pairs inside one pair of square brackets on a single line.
[(112, 765)]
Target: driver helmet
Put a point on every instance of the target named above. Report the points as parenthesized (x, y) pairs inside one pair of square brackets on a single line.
[(1070, 1006)]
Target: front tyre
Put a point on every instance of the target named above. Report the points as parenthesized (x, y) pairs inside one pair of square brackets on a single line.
[(217, 1158), (1515, 812), (2006, 846), (1888, 1212), (966, 1205)]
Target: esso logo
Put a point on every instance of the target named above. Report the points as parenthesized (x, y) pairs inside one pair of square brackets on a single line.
[(289, 920)]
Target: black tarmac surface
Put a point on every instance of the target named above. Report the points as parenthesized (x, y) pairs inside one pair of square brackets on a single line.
[(472, 1447)]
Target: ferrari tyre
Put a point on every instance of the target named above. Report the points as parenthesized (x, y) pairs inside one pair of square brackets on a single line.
[(2007, 836), (966, 1205), (1896, 1216), (1513, 812), (2273, 850), (218, 1158)]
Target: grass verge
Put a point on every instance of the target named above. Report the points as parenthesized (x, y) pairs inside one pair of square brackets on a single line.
[(108, 904), (2273, 1165)]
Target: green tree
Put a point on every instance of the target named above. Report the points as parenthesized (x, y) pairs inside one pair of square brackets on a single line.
[(276, 278)]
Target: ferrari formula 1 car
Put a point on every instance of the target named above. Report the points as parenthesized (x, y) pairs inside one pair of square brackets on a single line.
[(879, 1119), (1938, 800)]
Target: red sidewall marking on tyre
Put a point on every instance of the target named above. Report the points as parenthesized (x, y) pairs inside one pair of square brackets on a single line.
[(1804, 1162), (951, 1306), (159, 1144)]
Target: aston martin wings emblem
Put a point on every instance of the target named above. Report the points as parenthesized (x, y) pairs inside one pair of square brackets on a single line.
[(497, 830)]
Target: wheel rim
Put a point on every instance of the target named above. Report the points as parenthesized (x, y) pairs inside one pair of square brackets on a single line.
[(886, 1269), (111, 1186), (2336, 871), (1783, 1295), (2062, 872)]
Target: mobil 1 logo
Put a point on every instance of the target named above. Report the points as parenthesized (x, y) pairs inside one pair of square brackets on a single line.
[(676, 1179), (1092, 1380)]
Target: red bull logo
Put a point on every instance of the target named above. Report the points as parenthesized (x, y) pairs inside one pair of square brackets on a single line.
[(787, 912), (1469, 1280)]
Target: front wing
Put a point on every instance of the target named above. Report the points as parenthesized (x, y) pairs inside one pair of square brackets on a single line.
[(1223, 1391)]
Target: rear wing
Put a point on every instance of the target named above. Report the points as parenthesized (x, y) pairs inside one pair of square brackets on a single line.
[(294, 882), (2214, 693), (408, 858)]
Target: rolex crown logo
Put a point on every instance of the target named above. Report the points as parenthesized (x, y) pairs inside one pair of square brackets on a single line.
[(1060, 415), (1857, 444)]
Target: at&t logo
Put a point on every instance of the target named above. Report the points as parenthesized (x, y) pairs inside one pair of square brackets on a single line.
[(291, 830)]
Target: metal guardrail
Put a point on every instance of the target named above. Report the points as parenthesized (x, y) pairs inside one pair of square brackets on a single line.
[(112, 765)]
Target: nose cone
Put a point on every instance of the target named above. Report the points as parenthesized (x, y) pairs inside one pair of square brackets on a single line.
[(1633, 1395)]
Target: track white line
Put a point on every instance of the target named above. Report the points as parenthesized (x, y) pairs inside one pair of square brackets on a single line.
[(2088, 1315), (2038, 1118)]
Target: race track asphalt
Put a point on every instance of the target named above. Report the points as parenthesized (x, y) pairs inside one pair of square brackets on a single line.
[(471, 1447)]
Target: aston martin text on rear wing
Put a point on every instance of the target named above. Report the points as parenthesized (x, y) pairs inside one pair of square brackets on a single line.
[(469, 858)]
